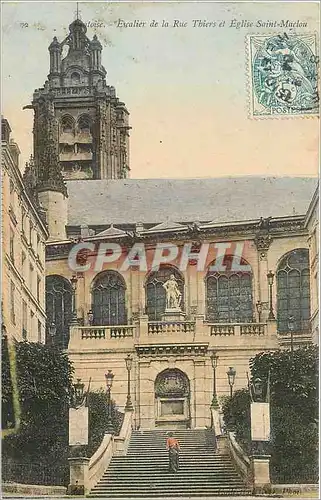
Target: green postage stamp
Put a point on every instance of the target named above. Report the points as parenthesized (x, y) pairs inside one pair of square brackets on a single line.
[(283, 74)]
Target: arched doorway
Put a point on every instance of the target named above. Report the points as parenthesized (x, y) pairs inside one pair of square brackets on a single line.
[(172, 399)]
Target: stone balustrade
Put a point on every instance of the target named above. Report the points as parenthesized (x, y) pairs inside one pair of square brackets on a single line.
[(105, 332), (170, 327), (238, 329)]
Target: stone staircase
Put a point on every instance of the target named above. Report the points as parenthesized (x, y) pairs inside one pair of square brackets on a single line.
[(143, 472)]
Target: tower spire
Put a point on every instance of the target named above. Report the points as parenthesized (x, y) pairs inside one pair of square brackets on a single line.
[(77, 11)]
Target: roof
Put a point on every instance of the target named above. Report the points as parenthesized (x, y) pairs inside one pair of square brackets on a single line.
[(219, 200)]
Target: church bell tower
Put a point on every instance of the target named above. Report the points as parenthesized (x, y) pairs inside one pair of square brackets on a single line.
[(81, 127)]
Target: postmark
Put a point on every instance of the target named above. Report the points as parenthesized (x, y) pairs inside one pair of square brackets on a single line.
[(283, 75)]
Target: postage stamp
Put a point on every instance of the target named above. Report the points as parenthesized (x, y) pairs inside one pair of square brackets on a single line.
[(283, 74)]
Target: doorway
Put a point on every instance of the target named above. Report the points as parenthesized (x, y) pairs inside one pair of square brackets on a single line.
[(172, 400)]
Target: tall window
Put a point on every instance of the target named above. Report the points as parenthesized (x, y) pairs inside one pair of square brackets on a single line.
[(156, 294), (59, 307), (32, 318), (23, 264), (12, 245), (67, 124), (23, 220), (12, 302), (39, 331), (30, 233), (24, 320), (293, 291), (12, 194), (38, 288), (84, 124), (229, 294), (31, 269), (108, 299)]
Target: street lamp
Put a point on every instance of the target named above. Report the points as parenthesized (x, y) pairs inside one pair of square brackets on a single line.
[(214, 360), (291, 329), (259, 307), (109, 382), (231, 378), (270, 277), (90, 317), (129, 364), (78, 392), (74, 281)]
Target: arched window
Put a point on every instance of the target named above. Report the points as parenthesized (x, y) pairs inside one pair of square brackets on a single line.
[(75, 78), (67, 124), (108, 299), (229, 294), (58, 308), (84, 124), (156, 294), (293, 291)]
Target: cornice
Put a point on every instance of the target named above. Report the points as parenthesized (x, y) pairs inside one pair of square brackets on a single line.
[(155, 350)]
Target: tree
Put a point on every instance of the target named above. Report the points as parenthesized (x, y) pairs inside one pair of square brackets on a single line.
[(44, 377), (294, 412)]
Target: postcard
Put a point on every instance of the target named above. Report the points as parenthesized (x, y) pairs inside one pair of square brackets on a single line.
[(160, 248)]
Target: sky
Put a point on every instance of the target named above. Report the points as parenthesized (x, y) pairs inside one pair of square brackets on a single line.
[(186, 88)]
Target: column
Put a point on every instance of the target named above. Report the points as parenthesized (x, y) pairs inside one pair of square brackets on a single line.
[(146, 396), (202, 406)]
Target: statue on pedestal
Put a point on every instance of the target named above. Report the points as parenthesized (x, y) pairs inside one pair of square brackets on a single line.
[(173, 294)]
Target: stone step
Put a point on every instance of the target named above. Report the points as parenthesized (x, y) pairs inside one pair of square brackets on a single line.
[(164, 492), (143, 472), (160, 472), (192, 482)]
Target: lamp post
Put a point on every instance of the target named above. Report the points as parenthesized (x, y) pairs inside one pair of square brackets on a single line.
[(259, 307), (74, 281), (52, 332), (109, 382), (78, 392), (214, 360), (90, 317), (129, 364), (270, 277), (231, 378), (291, 329)]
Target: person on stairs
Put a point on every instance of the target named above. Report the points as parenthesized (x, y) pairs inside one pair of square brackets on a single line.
[(172, 445)]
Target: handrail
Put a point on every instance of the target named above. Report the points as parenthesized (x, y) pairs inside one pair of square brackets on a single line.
[(240, 459), (110, 446), (100, 461)]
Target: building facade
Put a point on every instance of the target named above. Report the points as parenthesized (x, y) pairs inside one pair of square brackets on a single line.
[(24, 234), (169, 271), (244, 287)]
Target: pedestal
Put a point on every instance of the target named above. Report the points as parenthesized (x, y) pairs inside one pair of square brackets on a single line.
[(222, 445), (173, 315), (78, 467), (261, 473)]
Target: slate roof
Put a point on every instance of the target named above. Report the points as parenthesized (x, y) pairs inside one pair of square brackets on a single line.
[(154, 201)]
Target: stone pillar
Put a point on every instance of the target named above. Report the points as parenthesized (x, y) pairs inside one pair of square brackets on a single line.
[(200, 329), (222, 445), (146, 396), (143, 325), (78, 467), (261, 474), (201, 403)]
